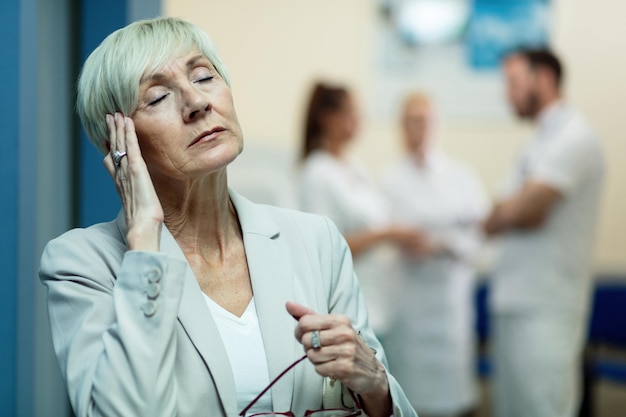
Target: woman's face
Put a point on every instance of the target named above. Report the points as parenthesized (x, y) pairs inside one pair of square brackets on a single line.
[(185, 120), (342, 124)]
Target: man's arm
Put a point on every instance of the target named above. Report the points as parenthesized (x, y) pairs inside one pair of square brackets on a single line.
[(528, 209)]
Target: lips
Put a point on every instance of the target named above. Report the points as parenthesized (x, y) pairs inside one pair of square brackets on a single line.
[(207, 135)]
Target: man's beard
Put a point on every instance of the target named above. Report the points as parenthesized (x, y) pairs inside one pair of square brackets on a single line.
[(530, 107)]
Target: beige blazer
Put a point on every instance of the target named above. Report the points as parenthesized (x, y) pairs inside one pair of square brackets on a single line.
[(134, 336)]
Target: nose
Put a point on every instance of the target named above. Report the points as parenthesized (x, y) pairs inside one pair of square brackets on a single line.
[(196, 103)]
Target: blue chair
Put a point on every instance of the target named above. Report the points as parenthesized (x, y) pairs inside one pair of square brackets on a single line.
[(607, 328), (481, 327), (608, 318)]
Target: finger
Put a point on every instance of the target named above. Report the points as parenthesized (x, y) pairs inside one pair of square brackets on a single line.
[(109, 165), (336, 324), (326, 352), (297, 311), (339, 334), (328, 346), (312, 340), (112, 133), (324, 355), (345, 362), (335, 365), (132, 143), (120, 132), (312, 322), (124, 140), (345, 370)]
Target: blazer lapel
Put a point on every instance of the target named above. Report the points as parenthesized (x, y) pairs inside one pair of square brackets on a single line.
[(195, 317), (271, 273)]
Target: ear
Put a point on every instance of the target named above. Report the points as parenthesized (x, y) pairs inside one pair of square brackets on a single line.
[(546, 78)]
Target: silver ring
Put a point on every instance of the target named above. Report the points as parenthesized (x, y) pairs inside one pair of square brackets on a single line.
[(315, 339), (117, 157)]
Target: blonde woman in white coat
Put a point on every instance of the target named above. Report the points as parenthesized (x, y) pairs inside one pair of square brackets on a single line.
[(432, 344), (331, 184)]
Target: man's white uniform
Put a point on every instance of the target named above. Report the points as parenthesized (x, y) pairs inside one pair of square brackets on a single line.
[(542, 278)]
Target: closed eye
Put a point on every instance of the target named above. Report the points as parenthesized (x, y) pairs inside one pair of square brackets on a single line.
[(157, 100), (205, 79)]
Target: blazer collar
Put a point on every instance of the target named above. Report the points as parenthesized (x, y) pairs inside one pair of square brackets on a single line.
[(271, 273), (251, 218)]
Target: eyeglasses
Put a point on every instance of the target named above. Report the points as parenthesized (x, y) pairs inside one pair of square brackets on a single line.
[(329, 412)]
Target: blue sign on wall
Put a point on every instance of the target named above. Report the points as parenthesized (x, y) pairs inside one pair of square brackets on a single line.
[(497, 26)]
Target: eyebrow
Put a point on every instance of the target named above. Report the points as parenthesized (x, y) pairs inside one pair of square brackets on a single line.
[(157, 76)]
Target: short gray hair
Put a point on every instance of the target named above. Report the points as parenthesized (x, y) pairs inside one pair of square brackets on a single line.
[(109, 80)]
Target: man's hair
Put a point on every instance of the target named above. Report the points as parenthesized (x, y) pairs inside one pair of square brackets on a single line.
[(542, 58)]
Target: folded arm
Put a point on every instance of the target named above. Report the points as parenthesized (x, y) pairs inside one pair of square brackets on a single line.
[(528, 209)]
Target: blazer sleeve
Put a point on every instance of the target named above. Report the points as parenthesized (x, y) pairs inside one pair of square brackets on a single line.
[(113, 314), (345, 297)]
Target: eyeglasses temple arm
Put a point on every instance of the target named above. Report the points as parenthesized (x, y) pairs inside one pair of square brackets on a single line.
[(245, 410), (356, 399)]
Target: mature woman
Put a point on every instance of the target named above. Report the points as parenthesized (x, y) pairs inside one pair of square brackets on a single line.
[(433, 335), (332, 184), (188, 302)]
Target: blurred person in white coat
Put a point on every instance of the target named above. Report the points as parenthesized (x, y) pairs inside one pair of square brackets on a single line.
[(332, 184), (432, 344), (546, 220)]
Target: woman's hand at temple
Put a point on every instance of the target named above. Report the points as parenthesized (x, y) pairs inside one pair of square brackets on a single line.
[(142, 209), (343, 355)]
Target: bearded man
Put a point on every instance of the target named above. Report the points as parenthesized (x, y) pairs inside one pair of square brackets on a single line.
[(540, 298)]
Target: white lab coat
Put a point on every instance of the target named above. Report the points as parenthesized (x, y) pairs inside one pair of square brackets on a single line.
[(431, 347), (341, 190)]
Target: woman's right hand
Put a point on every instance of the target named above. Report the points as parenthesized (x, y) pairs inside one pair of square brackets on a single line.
[(142, 208), (343, 354)]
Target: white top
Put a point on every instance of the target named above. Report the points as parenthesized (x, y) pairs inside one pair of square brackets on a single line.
[(342, 191), (548, 268), (244, 344)]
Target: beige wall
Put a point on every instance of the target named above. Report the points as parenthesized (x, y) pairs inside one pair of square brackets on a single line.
[(592, 37), (274, 49)]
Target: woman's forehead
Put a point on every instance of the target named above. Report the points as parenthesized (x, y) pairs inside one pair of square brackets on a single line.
[(183, 59)]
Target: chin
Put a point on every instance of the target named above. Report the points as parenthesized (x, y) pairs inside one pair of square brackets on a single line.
[(215, 160), (524, 114), (231, 152)]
